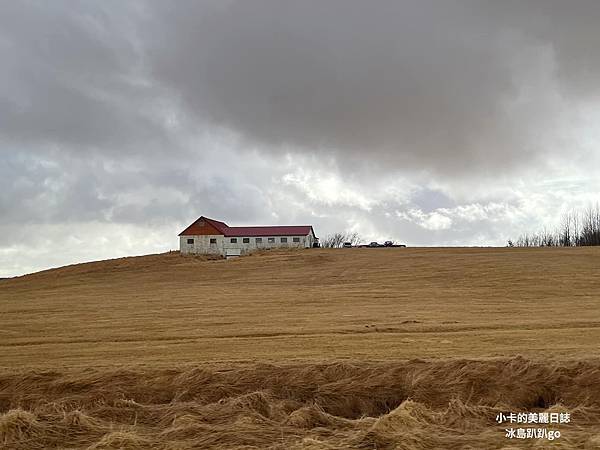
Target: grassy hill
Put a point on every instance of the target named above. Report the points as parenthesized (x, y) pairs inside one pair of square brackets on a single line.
[(306, 305), (318, 349)]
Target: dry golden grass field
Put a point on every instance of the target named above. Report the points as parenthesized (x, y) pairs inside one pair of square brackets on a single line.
[(316, 349)]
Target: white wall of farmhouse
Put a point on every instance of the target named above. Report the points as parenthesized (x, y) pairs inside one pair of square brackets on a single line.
[(219, 244), (201, 244)]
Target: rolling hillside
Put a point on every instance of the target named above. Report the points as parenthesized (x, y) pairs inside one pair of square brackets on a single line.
[(318, 349), (305, 305)]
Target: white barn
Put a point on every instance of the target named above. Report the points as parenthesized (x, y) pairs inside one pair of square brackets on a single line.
[(209, 236)]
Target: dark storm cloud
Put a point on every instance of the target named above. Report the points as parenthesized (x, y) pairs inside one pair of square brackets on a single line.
[(71, 77), (34, 190), (569, 28), (443, 85)]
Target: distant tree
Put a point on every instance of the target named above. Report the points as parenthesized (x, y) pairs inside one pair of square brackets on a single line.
[(590, 226), (353, 238), (575, 229), (336, 240), (333, 240)]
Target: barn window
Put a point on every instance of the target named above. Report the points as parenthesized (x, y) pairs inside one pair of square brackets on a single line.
[(271, 240), (246, 240), (283, 240), (213, 241), (190, 241), (233, 240), (259, 240), (296, 239)]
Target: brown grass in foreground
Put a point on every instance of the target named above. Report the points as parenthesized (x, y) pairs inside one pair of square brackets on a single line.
[(401, 405)]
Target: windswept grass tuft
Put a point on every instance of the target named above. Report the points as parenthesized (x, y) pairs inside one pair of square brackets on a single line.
[(414, 404)]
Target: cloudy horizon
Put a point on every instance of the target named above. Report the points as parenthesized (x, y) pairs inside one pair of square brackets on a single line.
[(433, 123)]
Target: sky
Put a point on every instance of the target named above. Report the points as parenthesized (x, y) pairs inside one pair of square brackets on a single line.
[(429, 122)]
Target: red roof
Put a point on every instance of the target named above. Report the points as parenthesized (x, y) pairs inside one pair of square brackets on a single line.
[(204, 226), (221, 226), (299, 230), (224, 229)]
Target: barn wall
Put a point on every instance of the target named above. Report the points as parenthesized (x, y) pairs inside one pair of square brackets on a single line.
[(310, 240), (202, 244), (253, 245)]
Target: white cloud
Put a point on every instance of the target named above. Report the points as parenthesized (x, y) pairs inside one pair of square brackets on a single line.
[(327, 189), (37, 247), (430, 221)]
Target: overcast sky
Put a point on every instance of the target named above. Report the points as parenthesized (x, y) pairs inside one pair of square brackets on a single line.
[(448, 122)]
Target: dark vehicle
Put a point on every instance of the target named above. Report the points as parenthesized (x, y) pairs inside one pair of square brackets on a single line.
[(374, 244), (388, 244), (347, 245)]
